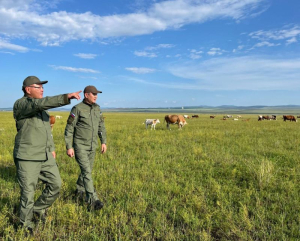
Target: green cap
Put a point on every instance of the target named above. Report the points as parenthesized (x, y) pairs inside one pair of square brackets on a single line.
[(91, 89), (30, 80)]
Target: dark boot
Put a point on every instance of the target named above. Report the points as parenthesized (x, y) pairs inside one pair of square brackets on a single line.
[(96, 205)]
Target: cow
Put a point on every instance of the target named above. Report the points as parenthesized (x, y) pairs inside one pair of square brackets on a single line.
[(289, 117), (238, 116), (266, 117), (58, 117), (52, 121), (298, 116), (229, 116), (235, 119), (151, 122), (195, 116), (175, 119), (186, 116), (212, 116), (246, 119)]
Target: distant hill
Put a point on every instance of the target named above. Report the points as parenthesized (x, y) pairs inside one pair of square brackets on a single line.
[(229, 109), (224, 109)]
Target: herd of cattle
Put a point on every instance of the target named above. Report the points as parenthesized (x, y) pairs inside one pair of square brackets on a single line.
[(180, 119)]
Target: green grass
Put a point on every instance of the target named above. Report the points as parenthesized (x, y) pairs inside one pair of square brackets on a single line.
[(213, 180)]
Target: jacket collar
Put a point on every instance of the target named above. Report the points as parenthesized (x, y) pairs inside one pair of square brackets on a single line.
[(90, 105)]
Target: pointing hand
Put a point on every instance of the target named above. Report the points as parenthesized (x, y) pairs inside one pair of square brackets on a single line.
[(75, 95)]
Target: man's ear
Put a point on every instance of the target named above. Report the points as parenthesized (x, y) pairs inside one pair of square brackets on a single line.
[(85, 95), (27, 90)]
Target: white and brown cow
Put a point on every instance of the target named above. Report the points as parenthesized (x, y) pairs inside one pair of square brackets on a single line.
[(175, 119), (151, 122)]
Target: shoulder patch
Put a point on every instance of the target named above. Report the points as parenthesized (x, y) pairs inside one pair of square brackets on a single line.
[(71, 118)]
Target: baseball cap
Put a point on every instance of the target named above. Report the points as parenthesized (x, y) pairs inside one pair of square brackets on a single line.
[(91, 89), (30, 80)]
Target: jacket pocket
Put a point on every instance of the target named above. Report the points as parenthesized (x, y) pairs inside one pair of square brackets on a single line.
[(84, 119)]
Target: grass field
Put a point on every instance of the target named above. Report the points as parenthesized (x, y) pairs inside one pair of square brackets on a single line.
[(213, 180)]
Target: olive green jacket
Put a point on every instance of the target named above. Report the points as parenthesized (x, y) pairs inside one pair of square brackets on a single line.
[(85, 124), (34, 138)]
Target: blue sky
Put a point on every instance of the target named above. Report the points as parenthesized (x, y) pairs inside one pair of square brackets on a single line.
[(153, 53)]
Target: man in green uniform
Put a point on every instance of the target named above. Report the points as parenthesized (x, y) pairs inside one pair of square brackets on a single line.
[(85, 124), (34, 152)]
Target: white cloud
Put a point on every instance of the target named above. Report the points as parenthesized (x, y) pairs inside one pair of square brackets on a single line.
[(6, 52), (292, 40), (195, 54), (264, 43), (6, 45), (241, 73), (27, 18), (86, 56), (145, 54), (72, 69), (160, 46), (215, 51), (267, 38), (240, 47), (141, 70), (281, 34)]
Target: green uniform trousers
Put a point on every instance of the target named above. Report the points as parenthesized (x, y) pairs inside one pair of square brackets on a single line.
[(28, 173), (85, 160)]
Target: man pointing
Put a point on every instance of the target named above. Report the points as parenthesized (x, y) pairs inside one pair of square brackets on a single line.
[(34, 151)]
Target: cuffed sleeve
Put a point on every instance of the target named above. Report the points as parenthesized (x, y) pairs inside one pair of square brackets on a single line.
[(66, 99)]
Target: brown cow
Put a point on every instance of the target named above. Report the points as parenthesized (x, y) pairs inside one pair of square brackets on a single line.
[(52, 121), (212, 116), (175, 119), (195, 116), (289, 117)]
